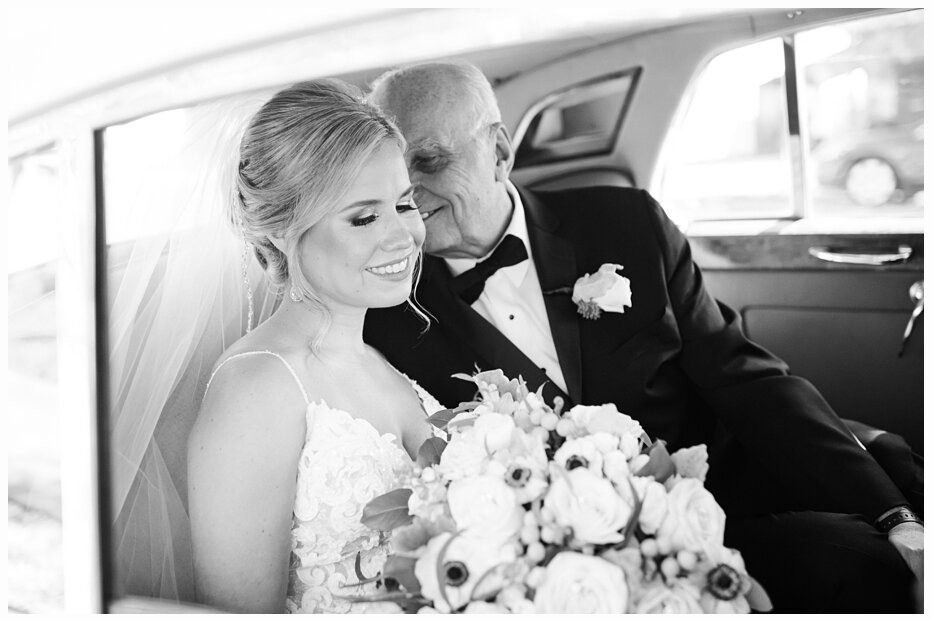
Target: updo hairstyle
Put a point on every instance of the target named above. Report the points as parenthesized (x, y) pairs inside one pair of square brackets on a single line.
[(299, 154)]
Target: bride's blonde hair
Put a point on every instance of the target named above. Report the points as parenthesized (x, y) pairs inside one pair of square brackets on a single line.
[(299, 154)]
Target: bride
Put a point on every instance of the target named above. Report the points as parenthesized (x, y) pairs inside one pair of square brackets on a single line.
[(302, 423)]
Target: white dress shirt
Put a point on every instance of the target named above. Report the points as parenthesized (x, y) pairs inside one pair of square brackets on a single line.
[(512, 300)]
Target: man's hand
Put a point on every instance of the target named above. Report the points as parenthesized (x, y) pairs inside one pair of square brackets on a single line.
[(907, 538)]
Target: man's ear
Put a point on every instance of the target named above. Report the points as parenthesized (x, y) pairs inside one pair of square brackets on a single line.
[(504, 153)]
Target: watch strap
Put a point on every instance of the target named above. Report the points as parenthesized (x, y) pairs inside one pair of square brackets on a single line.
[(896, 517)]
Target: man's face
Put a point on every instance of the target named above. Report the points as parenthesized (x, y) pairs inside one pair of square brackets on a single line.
[(458, 187)]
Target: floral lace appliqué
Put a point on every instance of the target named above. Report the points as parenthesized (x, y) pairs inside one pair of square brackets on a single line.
[(345, 463)]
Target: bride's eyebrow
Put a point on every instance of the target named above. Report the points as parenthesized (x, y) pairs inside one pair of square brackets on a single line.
[(360, 204)]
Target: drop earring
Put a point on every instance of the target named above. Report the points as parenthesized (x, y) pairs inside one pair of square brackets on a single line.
[(294, 294)]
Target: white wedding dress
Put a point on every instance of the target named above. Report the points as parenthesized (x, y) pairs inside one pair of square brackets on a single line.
[(345, 462)]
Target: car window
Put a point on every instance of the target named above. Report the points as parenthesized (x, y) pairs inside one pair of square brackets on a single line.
[(729, 158), (34, 533), (864, 96), (579, 121), (837, 143)]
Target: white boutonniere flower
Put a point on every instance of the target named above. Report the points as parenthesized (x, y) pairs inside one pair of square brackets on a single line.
[(606, 290)]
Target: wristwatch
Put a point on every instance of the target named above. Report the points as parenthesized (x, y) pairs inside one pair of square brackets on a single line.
[(896, 517)]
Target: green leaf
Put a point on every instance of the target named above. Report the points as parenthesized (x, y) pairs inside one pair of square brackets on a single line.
[(358, 567), (388, 511), (430, 451), (401, 569), (632, 524), (660, 464), (441, 418), (758, 598)]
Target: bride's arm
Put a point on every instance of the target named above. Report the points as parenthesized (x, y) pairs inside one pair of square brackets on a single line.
[(242, 462)]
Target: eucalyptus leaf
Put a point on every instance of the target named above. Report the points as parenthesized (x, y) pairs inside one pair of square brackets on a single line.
[(758, 598), (660, 465), (430, 451), (388, 511)]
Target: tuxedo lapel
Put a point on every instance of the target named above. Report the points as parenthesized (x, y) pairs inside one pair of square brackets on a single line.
[(555, 261), (460, 320)]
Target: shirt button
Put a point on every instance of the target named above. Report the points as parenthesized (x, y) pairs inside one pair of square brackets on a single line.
[(511, 316)]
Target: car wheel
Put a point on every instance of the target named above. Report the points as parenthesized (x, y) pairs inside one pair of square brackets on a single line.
[(871, 182)]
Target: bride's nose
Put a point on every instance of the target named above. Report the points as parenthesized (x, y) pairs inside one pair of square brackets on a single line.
[(397, 235)]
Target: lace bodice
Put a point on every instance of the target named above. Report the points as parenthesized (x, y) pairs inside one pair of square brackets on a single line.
[(345, 462)]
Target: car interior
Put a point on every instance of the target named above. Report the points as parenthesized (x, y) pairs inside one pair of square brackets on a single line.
[(832, 286)]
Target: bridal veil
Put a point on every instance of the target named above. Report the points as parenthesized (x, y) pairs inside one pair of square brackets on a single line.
[(177, 298)]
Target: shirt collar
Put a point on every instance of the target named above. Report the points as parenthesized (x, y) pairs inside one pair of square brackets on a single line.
[(517, 226)]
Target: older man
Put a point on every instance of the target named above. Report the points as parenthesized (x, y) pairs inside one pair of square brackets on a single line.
[(809, 508)]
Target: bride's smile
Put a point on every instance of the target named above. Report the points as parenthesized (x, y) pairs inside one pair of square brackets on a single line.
[(364, 254)]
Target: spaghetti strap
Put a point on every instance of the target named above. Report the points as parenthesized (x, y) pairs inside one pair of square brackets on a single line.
[(307, 401)]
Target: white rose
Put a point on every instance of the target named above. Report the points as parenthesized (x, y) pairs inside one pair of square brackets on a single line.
[(692, 462), (462, 457), (610, 291), (694, 519), (589, 504), (653, 498), (493, 431), (485, 506), (466, 560), (579, 583), (680, 597), (630, 446), (615, 467), (605, 418)]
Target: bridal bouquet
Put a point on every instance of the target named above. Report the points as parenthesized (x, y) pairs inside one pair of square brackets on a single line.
[(532, 509)]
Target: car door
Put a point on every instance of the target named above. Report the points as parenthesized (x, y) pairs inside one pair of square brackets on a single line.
[(788, 146)]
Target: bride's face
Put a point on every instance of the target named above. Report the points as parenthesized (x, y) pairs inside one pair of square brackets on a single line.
[(363, 253)]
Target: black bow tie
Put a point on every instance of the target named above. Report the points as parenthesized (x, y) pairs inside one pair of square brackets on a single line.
[(469, 284)]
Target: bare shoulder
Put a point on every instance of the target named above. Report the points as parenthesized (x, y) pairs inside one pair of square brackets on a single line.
[(253, 405)]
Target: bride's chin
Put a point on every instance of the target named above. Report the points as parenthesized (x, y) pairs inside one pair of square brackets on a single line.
[(391, 299)]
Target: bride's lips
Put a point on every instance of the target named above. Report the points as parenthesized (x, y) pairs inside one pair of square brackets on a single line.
[(399, 269)]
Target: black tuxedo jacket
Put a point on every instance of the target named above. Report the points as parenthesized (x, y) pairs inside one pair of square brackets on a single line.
[(677, 360)]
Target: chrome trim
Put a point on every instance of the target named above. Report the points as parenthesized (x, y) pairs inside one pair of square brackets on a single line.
[(862, 258), (77, 375)]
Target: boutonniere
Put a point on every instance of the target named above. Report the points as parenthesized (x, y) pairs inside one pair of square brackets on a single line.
[(606, 290)]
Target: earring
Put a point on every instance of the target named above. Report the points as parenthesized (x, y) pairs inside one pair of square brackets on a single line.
[(294, 294), (249, 299)]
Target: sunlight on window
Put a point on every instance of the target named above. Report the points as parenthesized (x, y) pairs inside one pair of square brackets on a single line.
[(729, 154)]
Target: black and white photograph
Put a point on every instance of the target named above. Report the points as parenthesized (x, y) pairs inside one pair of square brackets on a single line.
[(537, 309)]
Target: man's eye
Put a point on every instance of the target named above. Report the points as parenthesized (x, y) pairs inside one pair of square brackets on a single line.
[(428, 164), (365, 220)]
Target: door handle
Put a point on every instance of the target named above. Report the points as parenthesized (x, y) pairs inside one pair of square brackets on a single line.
[(917, 295), (862, 258)]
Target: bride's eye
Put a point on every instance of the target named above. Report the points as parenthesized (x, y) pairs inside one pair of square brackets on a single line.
[(365, 220), (406, 205)]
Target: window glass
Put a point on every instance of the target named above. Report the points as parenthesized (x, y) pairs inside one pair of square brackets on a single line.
[(861, 110), (581, 121), (34, 535), (728, 158), (864, 101)]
